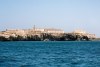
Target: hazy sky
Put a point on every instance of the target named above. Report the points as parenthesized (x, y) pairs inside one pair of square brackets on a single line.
[(64, 14)]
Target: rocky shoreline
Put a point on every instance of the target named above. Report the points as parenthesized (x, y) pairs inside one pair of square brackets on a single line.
[(47, 37), (43, 35)]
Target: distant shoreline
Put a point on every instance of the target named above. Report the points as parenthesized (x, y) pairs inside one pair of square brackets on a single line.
[(48, 37), (47, 34)]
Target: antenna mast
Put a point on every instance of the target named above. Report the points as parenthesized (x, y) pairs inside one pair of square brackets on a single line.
[(34, 27)]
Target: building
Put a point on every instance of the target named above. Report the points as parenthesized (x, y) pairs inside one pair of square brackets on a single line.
[(81, 32), (48, 30), (52, 30)]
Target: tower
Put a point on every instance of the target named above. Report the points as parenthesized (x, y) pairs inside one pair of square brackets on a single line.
[(34, 27)]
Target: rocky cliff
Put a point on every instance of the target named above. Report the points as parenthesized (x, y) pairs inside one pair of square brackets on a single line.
[(31, 35)]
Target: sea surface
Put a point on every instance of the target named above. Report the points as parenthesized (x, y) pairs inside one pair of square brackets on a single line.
[(50, 54)]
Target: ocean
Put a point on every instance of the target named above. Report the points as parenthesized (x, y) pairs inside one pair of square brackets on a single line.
[(50, 54)]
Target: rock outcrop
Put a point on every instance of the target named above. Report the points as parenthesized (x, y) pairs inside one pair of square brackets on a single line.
[(36, 35)]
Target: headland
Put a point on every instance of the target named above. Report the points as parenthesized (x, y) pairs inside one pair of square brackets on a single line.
[(44, 34)]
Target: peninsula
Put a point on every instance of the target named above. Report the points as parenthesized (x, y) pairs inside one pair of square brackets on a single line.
[(44, 34)]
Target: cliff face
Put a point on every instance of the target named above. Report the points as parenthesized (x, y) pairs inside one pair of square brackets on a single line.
[(38, 35), (44, 37)]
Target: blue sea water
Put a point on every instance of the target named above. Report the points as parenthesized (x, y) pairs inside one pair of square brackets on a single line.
[(50, 54)]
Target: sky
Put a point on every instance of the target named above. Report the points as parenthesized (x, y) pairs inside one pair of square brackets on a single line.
[(68, 15)]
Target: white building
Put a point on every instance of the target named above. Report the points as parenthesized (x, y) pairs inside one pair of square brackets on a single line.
[(51, 30), (79, 32), (48, 30)]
